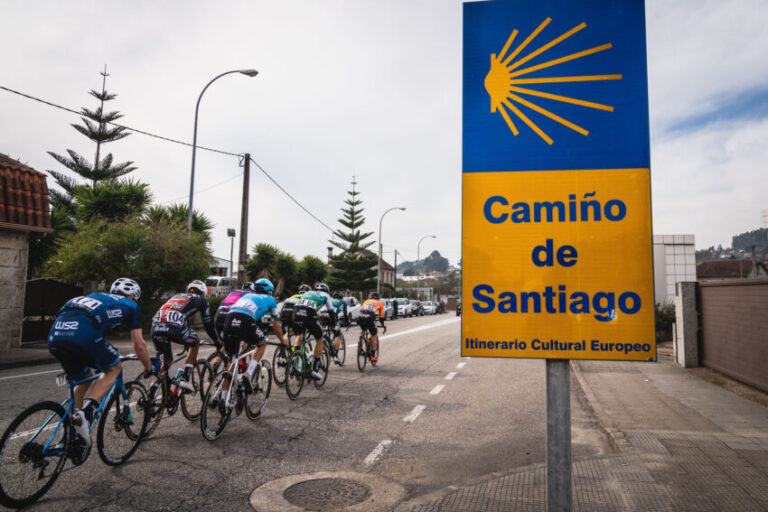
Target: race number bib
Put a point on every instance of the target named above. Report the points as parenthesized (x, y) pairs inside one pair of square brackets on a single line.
[(87, 304), (307, 303), (247, 305)]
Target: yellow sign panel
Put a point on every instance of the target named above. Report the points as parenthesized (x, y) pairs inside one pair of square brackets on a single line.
[(551, 262)]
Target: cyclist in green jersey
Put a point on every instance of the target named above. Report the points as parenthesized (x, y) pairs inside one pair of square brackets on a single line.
[(306, 315), (340, 307)]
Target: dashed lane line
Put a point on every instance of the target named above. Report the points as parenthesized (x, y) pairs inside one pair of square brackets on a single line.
[(460, 366), (377, 452), (437, 389), (450, 376), (414, 413)]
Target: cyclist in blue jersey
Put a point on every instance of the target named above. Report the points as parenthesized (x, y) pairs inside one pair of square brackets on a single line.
[(76, 340), (341, 307), (220, 317), (242, 325)]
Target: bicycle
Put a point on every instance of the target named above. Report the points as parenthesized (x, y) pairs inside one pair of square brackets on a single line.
[(364, 351), (37, 444), (280, 359), (341, 352), (299, 367), (162, 398), (251, 397)]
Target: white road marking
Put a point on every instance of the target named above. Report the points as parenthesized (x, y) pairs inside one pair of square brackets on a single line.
[(414, 414), (30, 374), (437, 389), (377, 452), (460, 366), (421, 328), (450, 376)]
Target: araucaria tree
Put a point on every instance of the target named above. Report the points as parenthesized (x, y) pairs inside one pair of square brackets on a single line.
[(353, 268), (95, 126)]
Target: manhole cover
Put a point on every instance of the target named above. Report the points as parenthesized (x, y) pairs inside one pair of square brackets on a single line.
[(325, 493)]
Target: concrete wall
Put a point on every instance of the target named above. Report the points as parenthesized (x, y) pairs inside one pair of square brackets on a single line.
[(674, 261), (14, 247), (734, 329)]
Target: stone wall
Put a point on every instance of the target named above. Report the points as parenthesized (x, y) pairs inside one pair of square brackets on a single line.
[(14, 246)]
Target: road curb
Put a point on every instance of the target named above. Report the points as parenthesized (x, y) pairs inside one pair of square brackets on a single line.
[(25, 363), (616, 437)]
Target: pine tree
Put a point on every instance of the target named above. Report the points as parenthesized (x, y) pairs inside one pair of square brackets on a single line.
[(352, 268), (95, 125)]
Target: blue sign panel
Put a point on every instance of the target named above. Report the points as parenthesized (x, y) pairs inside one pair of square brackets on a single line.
[(555, 85)]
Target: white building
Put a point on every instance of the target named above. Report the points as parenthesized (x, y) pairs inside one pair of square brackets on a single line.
[(674, 260), (764, 218)]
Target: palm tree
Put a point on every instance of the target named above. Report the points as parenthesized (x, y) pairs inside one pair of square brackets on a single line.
[(176, 214), (112, 200)]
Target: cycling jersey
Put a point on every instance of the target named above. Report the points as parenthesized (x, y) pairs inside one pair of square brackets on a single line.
[(373, 307), (307, 309), (242, 322), (255, 305), (340, 306), (221, 313), (76, 337), (170, 323)]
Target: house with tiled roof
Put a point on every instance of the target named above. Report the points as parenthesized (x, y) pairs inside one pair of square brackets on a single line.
[(24, 210)]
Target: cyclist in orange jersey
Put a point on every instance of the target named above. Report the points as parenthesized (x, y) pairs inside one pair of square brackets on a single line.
[(372, 308)]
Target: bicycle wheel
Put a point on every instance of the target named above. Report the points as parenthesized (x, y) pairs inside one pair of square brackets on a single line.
[(342, 351), (294, 374), (279, 364), (122, 424), (261, 383), (361, 354), (325, 366), (192, 401), (216, 360), (156, 404), (215, 414), (27, 468)]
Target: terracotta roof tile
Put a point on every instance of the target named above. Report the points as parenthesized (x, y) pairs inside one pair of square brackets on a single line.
[(23, 197)]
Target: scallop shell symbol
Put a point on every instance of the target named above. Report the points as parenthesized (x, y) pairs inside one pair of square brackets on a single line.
[(505, 77)]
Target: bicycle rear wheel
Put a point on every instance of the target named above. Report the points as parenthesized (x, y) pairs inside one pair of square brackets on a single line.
[(156, 404), (192, 401), (27, 468), (261, 384), (294, 374), (342, 351), (279, 364), (361, 354), (325, 366), (122, 424), (215, 415)]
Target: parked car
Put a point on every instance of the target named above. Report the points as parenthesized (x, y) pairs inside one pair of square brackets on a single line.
[(418, 309), (353, 308), (388, 308), (219, 286), (404, 307), (430, 308)]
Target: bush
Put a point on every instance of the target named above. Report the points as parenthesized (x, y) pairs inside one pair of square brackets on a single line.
[(214, 303), (665, 317)]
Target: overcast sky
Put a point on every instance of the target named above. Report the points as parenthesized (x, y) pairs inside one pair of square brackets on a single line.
[(364, 88)]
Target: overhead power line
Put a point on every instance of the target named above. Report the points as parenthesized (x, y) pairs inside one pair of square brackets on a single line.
[(148, 134), (167, 139)]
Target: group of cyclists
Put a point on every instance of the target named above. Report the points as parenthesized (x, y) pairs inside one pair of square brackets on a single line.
[(77, 340)]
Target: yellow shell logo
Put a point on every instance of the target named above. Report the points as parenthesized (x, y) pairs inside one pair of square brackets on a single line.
[(503, 81)]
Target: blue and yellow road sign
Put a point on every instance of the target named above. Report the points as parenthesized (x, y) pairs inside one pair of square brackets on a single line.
[(556, 235)]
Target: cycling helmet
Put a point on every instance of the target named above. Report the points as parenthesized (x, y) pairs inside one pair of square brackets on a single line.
[(374, 295), (322, 287), (337, 295), (304, 288), (263, 285), (124, 286), (197, 286)]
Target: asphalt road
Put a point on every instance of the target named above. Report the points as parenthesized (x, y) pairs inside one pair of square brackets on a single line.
[(424, 418)]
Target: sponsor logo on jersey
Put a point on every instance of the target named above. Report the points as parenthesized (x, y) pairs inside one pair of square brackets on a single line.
[(114, 313), (66, 326)]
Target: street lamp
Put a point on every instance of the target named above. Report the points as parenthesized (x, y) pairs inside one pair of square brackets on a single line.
[(741, 259), (378, 277), (418, 246), (247, 72), (231, 235)]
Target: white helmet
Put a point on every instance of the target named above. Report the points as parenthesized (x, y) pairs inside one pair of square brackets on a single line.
[(199, 286), (126, 287)]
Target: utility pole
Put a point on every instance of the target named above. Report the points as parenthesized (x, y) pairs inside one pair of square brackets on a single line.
[(244, 223), (395, 283)]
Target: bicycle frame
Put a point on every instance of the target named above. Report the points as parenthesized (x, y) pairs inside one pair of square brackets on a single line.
[(235, 373)]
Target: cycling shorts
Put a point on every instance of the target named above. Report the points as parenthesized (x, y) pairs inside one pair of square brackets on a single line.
[(305, 318), (241, 327), (163, 334), (367, 322), (77, 343), (286, 315)]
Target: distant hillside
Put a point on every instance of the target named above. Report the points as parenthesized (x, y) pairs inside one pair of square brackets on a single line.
[(432, 262)]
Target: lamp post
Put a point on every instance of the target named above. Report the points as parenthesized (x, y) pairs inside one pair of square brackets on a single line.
[(378, 277), (247, 72), (418, 246), (741, 260), (231, 235)]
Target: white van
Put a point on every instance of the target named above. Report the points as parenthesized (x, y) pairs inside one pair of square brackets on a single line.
[(219, 286)]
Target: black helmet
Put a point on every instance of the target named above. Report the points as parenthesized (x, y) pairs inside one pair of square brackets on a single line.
[(337, 295), (374, 295)]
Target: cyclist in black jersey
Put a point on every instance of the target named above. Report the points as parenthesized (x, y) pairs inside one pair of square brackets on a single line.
[(170, 325)]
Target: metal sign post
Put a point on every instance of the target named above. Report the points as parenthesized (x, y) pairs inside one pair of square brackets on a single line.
[(559, 492)]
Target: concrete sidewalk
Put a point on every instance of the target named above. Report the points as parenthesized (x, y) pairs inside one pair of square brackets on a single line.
[(681, 444), (36, 354)]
